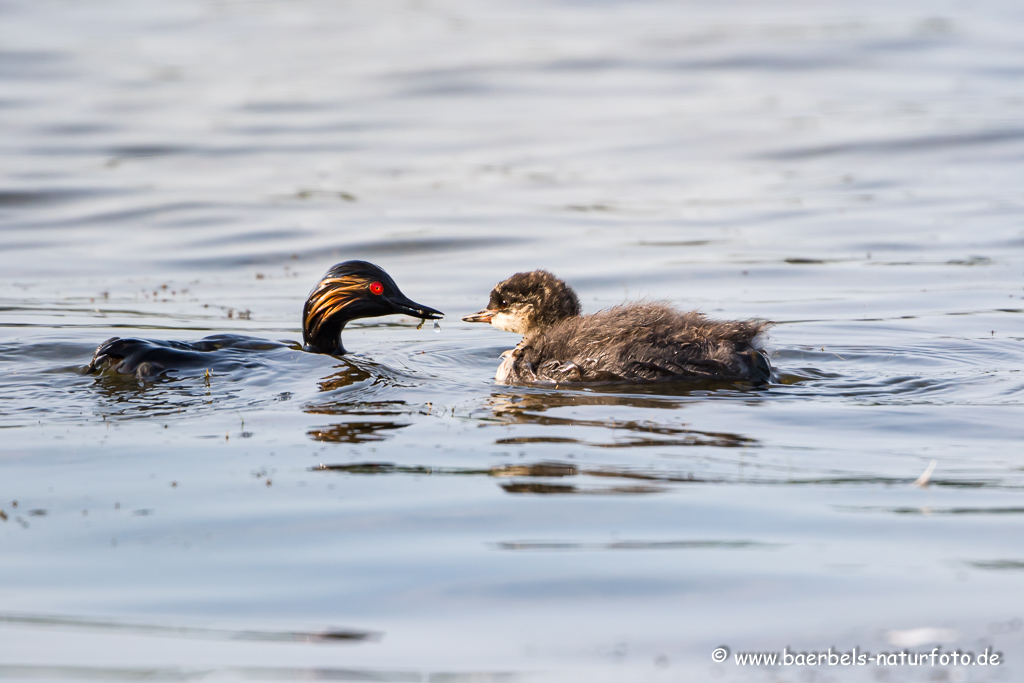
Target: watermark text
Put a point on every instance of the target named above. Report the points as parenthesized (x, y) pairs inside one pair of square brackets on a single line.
[(857, 657)]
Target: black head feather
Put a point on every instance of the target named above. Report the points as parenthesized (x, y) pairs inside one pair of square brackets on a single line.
[(350, 290)]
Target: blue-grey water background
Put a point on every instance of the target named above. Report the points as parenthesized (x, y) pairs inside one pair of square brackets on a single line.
[(177, 169)]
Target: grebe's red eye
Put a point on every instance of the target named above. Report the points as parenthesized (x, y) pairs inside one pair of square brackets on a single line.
[(377, 288)]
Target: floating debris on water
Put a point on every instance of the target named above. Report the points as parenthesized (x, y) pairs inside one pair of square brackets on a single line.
[(922, 481)]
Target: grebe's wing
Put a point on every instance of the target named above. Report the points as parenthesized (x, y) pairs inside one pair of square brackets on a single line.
[(152, 357)]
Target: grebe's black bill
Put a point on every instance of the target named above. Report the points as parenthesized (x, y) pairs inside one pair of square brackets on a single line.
[(403, 304)]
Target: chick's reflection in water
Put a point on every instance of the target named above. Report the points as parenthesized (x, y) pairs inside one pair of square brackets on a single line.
[(349, 290), (533, 409)]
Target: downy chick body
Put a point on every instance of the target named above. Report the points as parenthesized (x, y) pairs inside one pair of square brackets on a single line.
[(634, 342)]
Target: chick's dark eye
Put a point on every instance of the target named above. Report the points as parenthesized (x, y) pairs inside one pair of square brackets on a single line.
[(504, 303), (376, 288)]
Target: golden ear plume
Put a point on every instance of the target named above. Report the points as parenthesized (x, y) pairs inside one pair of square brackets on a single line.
[(332, 295)]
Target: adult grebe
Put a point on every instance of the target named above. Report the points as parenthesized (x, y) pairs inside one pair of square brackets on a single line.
[(626, 343), (349, 290)]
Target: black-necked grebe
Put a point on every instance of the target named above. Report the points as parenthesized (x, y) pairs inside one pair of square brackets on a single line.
[(349, 290), (626, 343)]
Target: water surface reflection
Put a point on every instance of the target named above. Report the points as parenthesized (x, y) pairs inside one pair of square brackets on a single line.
[(61, 622)]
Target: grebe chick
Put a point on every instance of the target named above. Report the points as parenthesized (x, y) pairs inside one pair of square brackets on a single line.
[(349, 290), (627, 343)]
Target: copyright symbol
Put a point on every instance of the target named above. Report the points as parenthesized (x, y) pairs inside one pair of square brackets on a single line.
[(720, 654)]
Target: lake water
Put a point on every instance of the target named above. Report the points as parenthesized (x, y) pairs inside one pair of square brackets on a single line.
[(177, 169)]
